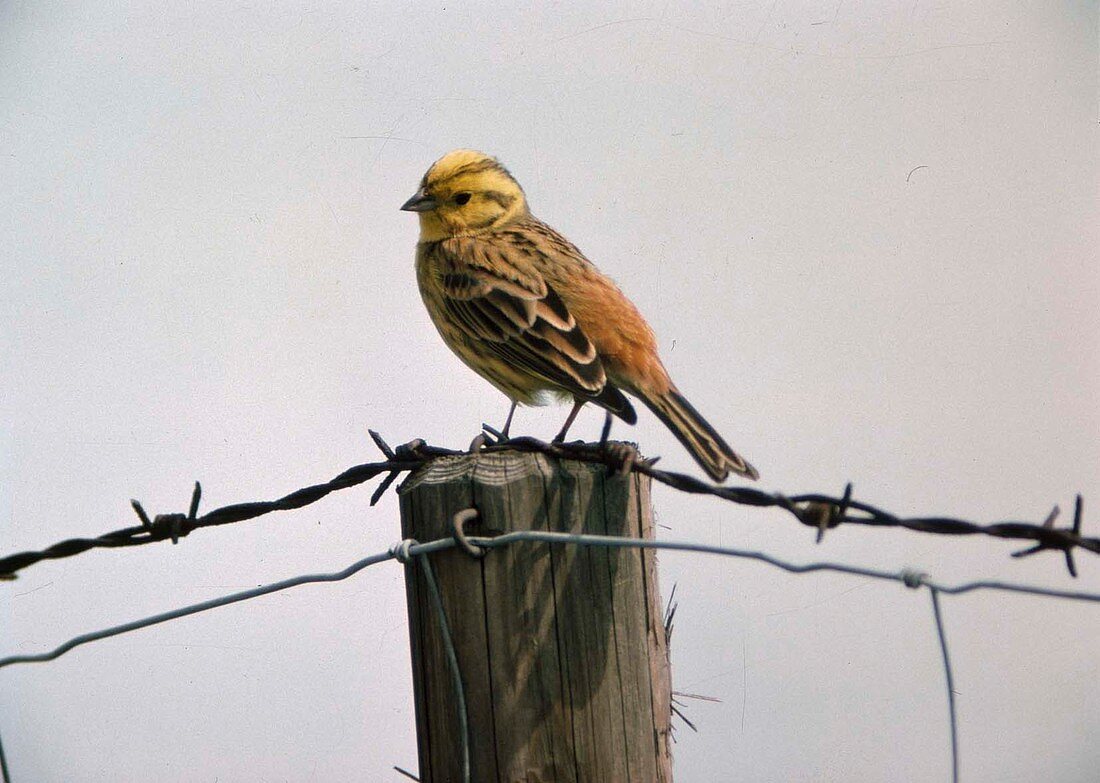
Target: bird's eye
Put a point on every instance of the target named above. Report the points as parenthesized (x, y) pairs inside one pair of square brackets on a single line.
[(462, 198)]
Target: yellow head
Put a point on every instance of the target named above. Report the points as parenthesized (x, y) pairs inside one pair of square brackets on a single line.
[(465, 193)]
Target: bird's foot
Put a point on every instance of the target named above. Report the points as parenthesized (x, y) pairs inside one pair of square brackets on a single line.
[(499, 437), (622, 456), (559, 440)]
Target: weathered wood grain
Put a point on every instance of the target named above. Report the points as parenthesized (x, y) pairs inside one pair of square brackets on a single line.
[(561, 647)]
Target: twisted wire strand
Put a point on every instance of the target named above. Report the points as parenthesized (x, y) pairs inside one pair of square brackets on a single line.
[(817, 510)]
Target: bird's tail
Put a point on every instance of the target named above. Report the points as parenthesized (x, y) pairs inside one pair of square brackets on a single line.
[(710, 451)]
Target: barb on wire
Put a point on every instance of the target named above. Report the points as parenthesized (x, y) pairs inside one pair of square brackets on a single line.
[(1075, 528), (816, 510)]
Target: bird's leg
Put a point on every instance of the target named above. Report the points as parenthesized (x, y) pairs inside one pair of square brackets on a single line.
[(577, 404), (623, 453), (508, 421), (605, 433), (501, 437)]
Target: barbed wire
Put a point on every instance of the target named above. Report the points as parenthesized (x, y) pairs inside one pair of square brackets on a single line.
[(164, 527), (817, 510), (825, 512), (408, 550)]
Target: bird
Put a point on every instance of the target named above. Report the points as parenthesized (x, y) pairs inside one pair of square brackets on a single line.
[(520, 305)]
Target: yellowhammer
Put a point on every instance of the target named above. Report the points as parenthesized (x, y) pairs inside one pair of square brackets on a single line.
[(519, 304)]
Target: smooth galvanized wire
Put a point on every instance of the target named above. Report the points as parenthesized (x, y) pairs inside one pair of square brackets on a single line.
[(4, 774), (549, 537), (449, 651), (214, 603), (586, 539), (938, 615), (184, 611), (409, 548)]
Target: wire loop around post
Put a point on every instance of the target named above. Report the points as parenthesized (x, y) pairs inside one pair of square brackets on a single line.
[(400, 550)]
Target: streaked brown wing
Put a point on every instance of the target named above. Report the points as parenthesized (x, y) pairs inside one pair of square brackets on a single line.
[(508, 308)]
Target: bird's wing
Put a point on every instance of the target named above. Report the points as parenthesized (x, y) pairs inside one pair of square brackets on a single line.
[(505, 306)]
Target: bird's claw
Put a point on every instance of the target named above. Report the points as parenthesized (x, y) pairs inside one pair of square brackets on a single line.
[(499, 438), (625, 454)]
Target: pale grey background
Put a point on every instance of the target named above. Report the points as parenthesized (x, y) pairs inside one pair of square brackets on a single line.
[(865, 233)]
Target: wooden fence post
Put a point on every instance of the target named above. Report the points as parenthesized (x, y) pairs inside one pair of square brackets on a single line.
[(561, 647)]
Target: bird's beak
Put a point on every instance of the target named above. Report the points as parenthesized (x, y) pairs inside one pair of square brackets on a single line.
[(420, 202)]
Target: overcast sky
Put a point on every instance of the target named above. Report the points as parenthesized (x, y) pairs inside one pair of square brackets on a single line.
[(864, 232)]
